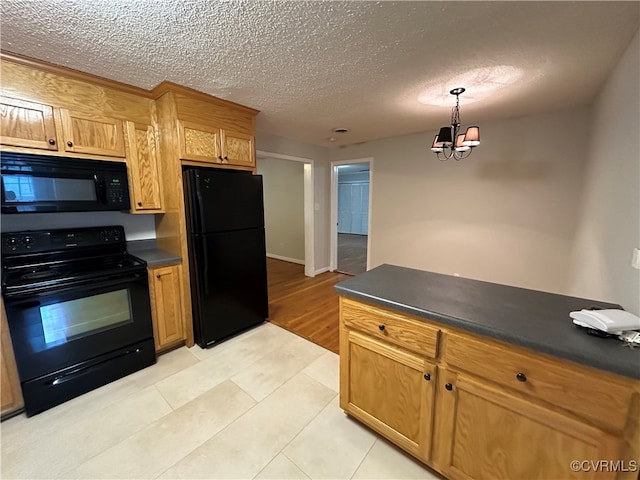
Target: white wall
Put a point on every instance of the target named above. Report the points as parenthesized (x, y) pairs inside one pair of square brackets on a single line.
[(507, 214), (609, 226), (136, 227), (284, 146), (283, 182)]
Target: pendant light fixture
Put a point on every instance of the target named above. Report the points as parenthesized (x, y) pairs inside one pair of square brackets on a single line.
[(449, 142)]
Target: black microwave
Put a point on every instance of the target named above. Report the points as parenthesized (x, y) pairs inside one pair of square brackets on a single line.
[(43, 183)]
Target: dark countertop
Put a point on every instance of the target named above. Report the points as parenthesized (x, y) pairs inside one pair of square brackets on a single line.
[(533, 319), (148, 251)]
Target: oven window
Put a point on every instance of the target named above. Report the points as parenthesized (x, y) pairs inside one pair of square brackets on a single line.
[(66, 321), (26, 188)]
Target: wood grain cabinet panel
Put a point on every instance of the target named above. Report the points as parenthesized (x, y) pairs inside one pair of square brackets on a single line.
[(484, 432), (552, 381), (92, 133), (166, 306), (209, 144), (390, 390), (10, 392), (386, 325), (490, 409), (199, 143), (144, 170), (27, 124), (238, 149)]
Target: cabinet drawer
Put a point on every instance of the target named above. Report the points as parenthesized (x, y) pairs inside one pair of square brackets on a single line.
[(591, 394), (390, 326)]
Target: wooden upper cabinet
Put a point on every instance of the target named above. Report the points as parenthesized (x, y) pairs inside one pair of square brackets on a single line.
[(27, 124), (199, 143), (144, 169), (92, 133), (202, 143), (238, 149)]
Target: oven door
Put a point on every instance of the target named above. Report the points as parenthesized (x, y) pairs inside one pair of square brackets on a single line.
[(66, 326)]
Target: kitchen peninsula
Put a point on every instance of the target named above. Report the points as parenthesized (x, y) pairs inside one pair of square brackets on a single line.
[(458, 372)]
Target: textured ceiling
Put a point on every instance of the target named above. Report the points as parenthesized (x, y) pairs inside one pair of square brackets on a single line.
[(313, 66)]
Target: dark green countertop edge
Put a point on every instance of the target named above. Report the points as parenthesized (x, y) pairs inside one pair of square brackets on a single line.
[(529, 318), (147, 250)]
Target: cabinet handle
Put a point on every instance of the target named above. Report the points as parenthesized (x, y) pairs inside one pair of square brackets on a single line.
[(226, 158), (448, 386), (69, 143), (158, 276), (381, 327), (521, 377), (139, 204), (52, 141), (427, 376), (219, 157)]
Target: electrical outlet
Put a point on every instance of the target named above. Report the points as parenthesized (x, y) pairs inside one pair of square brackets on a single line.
[(635, 260)]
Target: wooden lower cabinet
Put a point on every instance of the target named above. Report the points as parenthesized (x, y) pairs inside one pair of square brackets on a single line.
[(475, 408), (10, 391), (389, 389), (166, 306), (486, 432)]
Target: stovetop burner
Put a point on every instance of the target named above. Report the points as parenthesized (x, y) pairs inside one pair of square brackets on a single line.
[(42, 259)]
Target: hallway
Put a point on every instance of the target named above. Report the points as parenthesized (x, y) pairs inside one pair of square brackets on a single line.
[(303, 305)]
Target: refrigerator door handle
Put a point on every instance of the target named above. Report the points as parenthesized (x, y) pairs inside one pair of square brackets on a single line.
[(194, 200), (198, 216), (205, 270)]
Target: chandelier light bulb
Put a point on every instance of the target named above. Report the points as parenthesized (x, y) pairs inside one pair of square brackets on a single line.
[(443, 143)]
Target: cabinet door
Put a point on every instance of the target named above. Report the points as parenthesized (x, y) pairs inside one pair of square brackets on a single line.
[(144, 172), (166, 305), (92, 134), (200, 143), (238, 149), (27, 124), (389, 389), (485, 432), (10, 392)]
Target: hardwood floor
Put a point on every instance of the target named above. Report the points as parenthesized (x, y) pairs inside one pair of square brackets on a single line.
[(352, 253), (305, 306)]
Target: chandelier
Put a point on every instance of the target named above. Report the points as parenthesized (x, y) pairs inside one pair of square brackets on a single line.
[(449, 142)]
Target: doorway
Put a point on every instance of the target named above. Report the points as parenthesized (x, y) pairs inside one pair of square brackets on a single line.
[(350, 215), (280, 231)]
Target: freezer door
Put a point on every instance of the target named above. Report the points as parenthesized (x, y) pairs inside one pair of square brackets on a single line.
[(231, 285), (223, 200)]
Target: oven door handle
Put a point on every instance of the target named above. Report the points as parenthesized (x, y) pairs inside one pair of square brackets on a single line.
[(46, 290)]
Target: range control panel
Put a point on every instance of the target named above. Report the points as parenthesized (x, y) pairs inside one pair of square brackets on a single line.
[(36, 241)]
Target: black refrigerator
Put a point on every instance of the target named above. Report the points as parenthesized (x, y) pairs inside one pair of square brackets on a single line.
[(227, 254)]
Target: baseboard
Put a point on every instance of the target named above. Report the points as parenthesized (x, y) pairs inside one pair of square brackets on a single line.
[(286, 259)]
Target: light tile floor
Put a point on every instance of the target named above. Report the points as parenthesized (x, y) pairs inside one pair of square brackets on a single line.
[(261, 405)]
